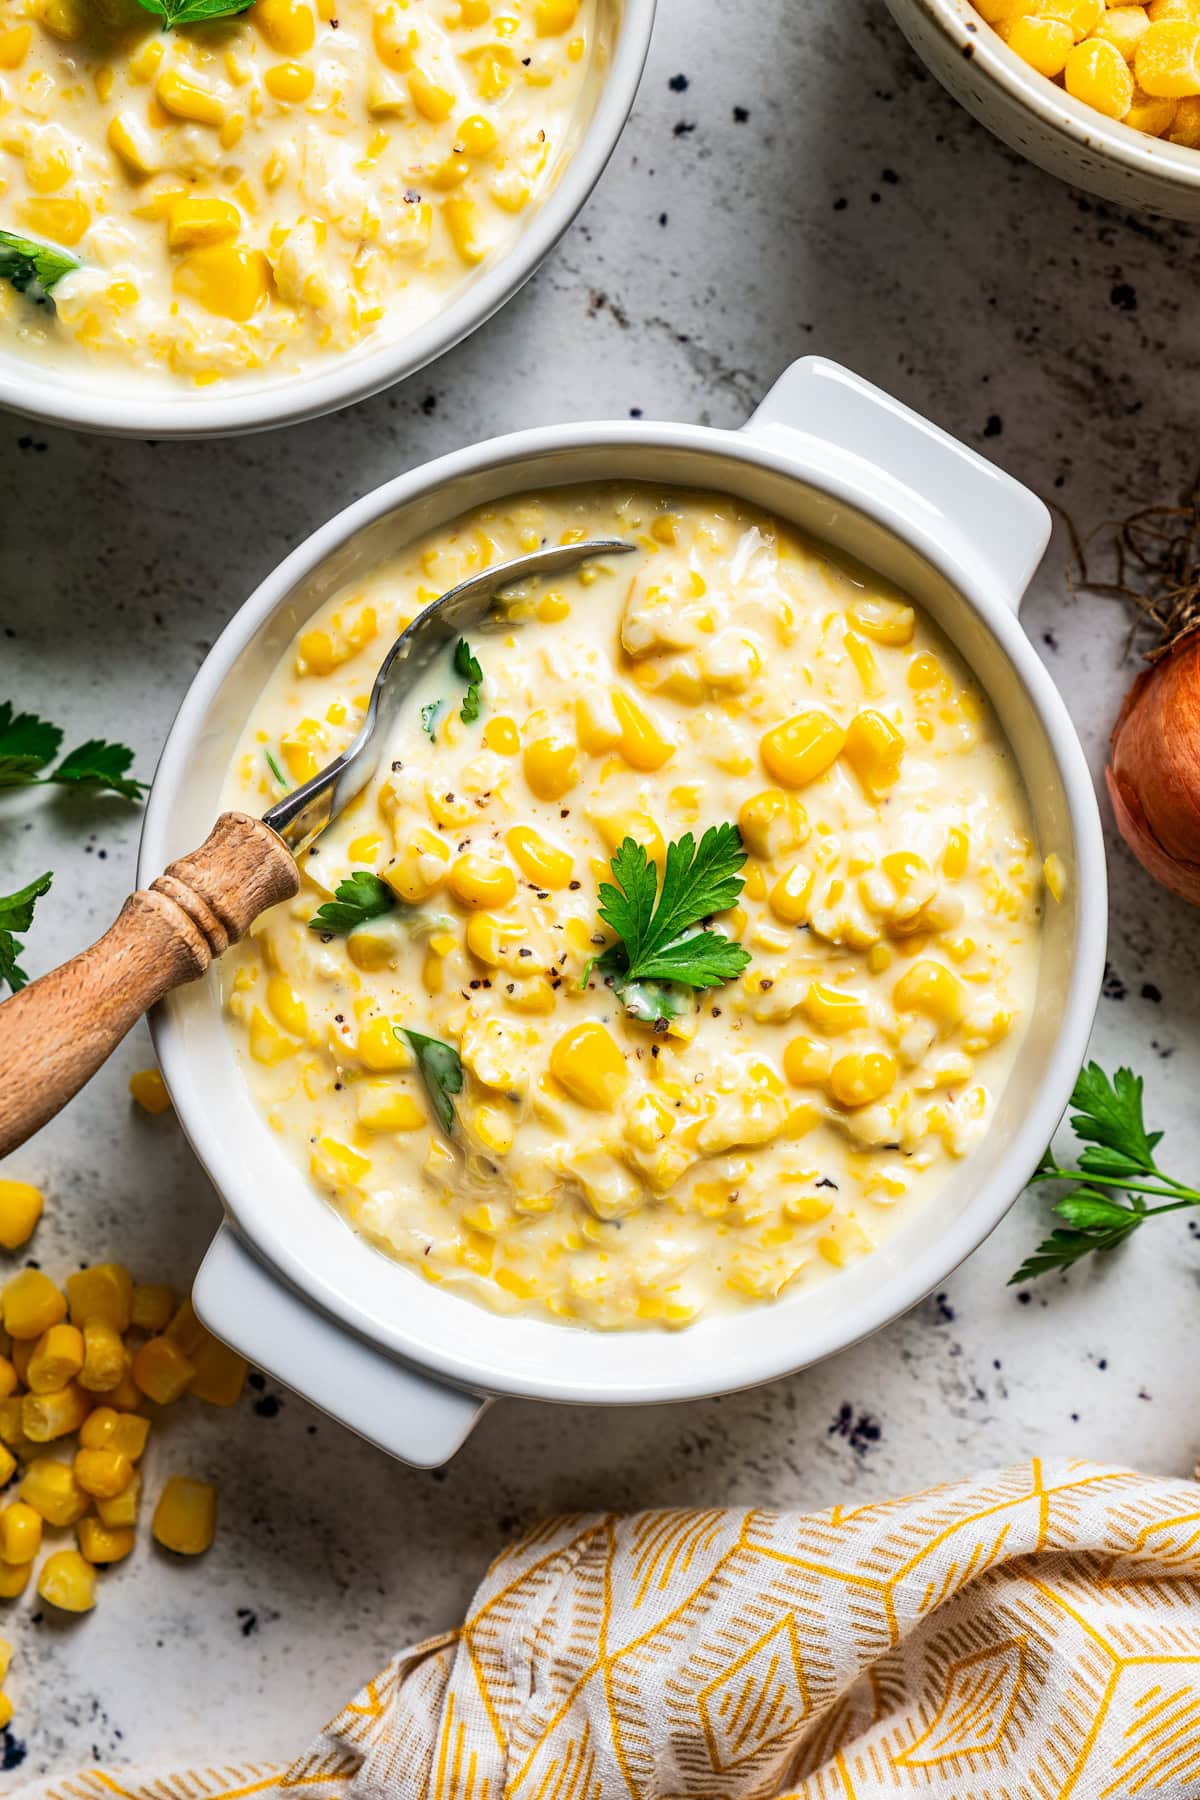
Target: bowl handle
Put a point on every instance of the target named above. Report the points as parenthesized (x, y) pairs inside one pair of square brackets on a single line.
[(999, 525), (412, 1416)]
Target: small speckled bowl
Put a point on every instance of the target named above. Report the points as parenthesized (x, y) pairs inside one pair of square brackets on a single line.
[(1038, 118), (410, 1365)]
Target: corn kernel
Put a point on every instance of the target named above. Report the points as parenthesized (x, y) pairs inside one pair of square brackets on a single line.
[(420, 868), (550, 767), (544, 863), (20, 1210), (186, 1516), (1098, 74), (1054, 874), (195, 219), (288, 27), (105, 1358), (833, 1010), (802, 749), (120, 1513), (789, 898), (874, 749), (149, 1091), (431, 101), (31, 1304), (57, 1358), (14, 1579), (68, 1582), (477, 881), (862, 1078), (8, 1378), (220, 1373), (161, 1370), (502, 737), (63, 221), (14, 46), (477, 136), (45, 1417), (290, 83), (806, 1062), (50, 1488), (102, 1473), (103, 1544), (641, 744), (129, 140), (553, 17), (228, 280), (102, 1294), (1044, 44), (20, 1533), (931, 990), (772, 823), (590, 1066), (1167, 59), (380, 1046), (108, 1429)]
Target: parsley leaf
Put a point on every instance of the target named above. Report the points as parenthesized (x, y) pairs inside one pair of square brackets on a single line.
[(16, 914), (1118, 1154), (429, 718), (360, 897), (28, 744), (32, 267), (192, 12), (659, 930), (468, 666), (441, 1071)]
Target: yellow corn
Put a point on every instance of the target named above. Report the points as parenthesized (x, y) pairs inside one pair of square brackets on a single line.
[(790, 896), (550, 767), (420, 868), (220, 1373), (477, 881), (149, 1091), (833, 1010), (64, 19), (553, 17), (930, 989), (614, 828), (195, 219), (1044, 44), (31, 1304), (229, 280), (64, 221), (129, 140), (102, 1294), (120, 1513), (103, 1473), (108, 1429), (50, 1488), (269, 1045), (502, 737), (954, 857), (874, 749), (161, 1370), (1054, 874), (57, 1358), (431, 101), (105, 1358), (544, 863), (802, 749), (20, 1210), (290, 83), (103, 1544), (772, 823), (287, 1005), (1098, 74), (14, 1579), (288, 27), (68, 1582), (1167, 59), (641, 744), (14, 46), (185, 1518), (861, 1079), (590, 1066), (477, 136), (806, 1061), (45, 1417), (380, 1046), (20, 1533), (8, 1378), (188, 99)]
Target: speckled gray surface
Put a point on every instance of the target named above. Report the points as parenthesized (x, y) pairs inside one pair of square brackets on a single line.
[(793, 183)]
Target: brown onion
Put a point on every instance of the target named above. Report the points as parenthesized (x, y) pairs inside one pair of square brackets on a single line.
[(1154, 772)]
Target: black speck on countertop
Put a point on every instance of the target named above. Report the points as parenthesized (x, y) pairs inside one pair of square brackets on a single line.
[(1113, 988), (1150, 992), (861, 1430), (994, 426), (678, 84), (741, 114), (12, 1751), (1124, 297), (684, 128), (269, 1406)]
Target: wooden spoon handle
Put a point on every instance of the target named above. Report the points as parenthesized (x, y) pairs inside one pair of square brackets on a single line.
[(56, 1032)]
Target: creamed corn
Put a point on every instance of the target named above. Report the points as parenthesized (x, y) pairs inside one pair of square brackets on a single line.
[(780, 1127)]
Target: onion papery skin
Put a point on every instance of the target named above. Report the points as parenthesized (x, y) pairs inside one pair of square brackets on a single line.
[(1154, 769)]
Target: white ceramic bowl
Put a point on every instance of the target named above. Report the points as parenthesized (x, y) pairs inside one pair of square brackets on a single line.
[(409, 1365), (1038, 118), (124, 408)]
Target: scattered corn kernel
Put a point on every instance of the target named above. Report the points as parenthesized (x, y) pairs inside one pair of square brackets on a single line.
[(185, 1519)]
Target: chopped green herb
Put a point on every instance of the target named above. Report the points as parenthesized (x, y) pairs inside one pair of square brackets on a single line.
[(467, 665), (660, 936), (276, 771), (360, 897), (16, 914), (33, 268), (441, 1071), (193, 12), (28, 744), (1118, 1174), (429, 718)]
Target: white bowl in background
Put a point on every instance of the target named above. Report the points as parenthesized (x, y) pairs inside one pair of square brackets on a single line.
[(410, 1365), (119, 405), (1041, 120)]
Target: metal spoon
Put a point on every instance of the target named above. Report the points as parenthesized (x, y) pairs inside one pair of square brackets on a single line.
[(55, 1033)]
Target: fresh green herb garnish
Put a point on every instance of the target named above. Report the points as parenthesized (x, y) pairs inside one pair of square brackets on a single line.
[(28, 744), (193, 12), (467, 665), (276, 771), (16, 914), (360, 897), (33, 268), (661, 939), (429, 718), (441, 1071), (1116, 1171)]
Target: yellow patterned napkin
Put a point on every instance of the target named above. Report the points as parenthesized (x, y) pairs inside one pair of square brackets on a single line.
[(1029, 1635)]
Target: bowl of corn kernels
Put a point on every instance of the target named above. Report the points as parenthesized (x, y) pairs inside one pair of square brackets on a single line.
[(1104, 94)]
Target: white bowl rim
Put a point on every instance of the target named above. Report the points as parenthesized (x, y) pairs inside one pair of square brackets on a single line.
[(972, 36), (114, 411), (1000, 1184)]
